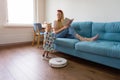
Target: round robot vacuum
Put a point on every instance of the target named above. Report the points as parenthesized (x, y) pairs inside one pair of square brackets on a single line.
[(58, 62)]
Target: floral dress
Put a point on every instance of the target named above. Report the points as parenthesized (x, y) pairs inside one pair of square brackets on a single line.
[(49, 41)]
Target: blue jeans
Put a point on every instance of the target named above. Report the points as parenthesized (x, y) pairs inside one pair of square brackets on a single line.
[(65, 34)]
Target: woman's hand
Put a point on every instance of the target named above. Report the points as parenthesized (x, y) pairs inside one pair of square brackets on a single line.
[(65, 27)]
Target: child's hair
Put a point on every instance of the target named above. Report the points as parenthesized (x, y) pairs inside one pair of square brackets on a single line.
[(48, 26)]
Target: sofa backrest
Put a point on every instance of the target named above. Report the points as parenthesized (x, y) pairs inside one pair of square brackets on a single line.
[(107, 31), (82, 28)]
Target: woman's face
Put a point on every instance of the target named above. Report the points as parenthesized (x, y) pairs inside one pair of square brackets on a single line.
[(59, 15)]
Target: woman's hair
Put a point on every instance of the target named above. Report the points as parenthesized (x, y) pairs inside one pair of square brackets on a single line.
[(61, 14)]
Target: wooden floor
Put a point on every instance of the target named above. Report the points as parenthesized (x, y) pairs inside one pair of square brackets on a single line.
[(25, 62)]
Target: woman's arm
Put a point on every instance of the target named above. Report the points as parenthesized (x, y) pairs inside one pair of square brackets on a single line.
[(56, 30)]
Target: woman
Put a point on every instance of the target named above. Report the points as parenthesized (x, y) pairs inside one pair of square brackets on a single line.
[(60, 30), (63, 31)]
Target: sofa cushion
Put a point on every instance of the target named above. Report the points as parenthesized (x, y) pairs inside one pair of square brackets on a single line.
[(82, 28), (66, 42), (100, 47), (107, 31)]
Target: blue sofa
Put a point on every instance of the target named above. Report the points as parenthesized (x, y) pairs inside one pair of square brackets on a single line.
[(105, 50)]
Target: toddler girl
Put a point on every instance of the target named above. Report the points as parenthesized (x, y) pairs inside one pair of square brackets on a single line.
[(48, 44)]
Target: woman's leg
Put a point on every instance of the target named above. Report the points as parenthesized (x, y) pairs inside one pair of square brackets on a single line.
[(71, 32), (86, 39), (62, 34), (80, 37)]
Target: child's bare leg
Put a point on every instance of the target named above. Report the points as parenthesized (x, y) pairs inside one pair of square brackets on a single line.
[(44, 53), (47, 54)]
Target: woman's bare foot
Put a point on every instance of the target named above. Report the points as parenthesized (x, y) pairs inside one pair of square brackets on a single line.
[(94, 38)]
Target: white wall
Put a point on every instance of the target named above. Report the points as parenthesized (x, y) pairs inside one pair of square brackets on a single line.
[(39, 10), (84, 10), (14, 35), (3, 12)]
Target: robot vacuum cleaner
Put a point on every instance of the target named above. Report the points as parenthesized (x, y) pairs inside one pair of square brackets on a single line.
[(58, 62)]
